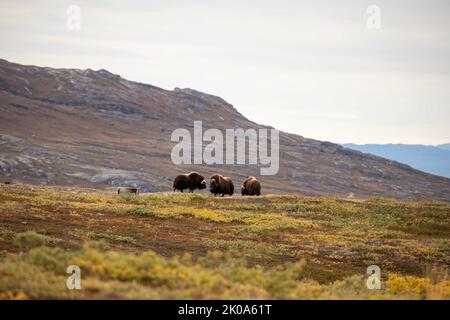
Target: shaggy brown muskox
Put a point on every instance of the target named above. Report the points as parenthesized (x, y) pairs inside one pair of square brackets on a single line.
[(221, 185), (251, 187), (189, 181)]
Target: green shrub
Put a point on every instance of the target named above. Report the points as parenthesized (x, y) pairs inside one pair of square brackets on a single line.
[(31, 239), (146, 212)]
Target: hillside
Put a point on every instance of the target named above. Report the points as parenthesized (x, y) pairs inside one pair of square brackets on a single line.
[(95, 129), (431, 159), (182, 246)]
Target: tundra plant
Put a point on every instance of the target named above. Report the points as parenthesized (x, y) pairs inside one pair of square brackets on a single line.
[(213, 152)]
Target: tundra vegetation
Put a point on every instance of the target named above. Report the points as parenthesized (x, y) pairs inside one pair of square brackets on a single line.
[(184, 246)]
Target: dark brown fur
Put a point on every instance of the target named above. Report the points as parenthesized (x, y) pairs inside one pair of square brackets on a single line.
[(221, 185), (189, 181), (251, 187)]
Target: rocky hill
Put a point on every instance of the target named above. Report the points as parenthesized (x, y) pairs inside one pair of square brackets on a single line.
[(95, 129)]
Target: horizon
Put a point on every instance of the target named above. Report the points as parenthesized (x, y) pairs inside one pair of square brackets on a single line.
[(322, 74), (398, 144)]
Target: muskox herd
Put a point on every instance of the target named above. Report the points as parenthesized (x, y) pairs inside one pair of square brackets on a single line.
[(218, 184)]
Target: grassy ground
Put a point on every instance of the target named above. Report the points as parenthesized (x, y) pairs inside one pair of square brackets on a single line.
[(197, 246)]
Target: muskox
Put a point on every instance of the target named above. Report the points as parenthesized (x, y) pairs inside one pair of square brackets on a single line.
[(251, 187), (221, 185), (189, 181)]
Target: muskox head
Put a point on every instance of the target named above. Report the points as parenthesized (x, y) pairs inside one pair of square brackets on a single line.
[(202, 184), (243, 190), (197, 180), (213, 184)]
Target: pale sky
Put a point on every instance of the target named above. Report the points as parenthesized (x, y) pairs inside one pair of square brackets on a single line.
[(306, 67)]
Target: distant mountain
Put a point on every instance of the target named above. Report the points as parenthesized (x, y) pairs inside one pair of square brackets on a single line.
[(93, 128), (435, 160), (444, 146)]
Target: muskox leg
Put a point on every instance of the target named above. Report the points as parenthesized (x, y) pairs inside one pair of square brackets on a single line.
[(191, 190)]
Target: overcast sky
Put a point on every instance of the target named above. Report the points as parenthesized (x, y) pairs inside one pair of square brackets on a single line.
[(307, 67)]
